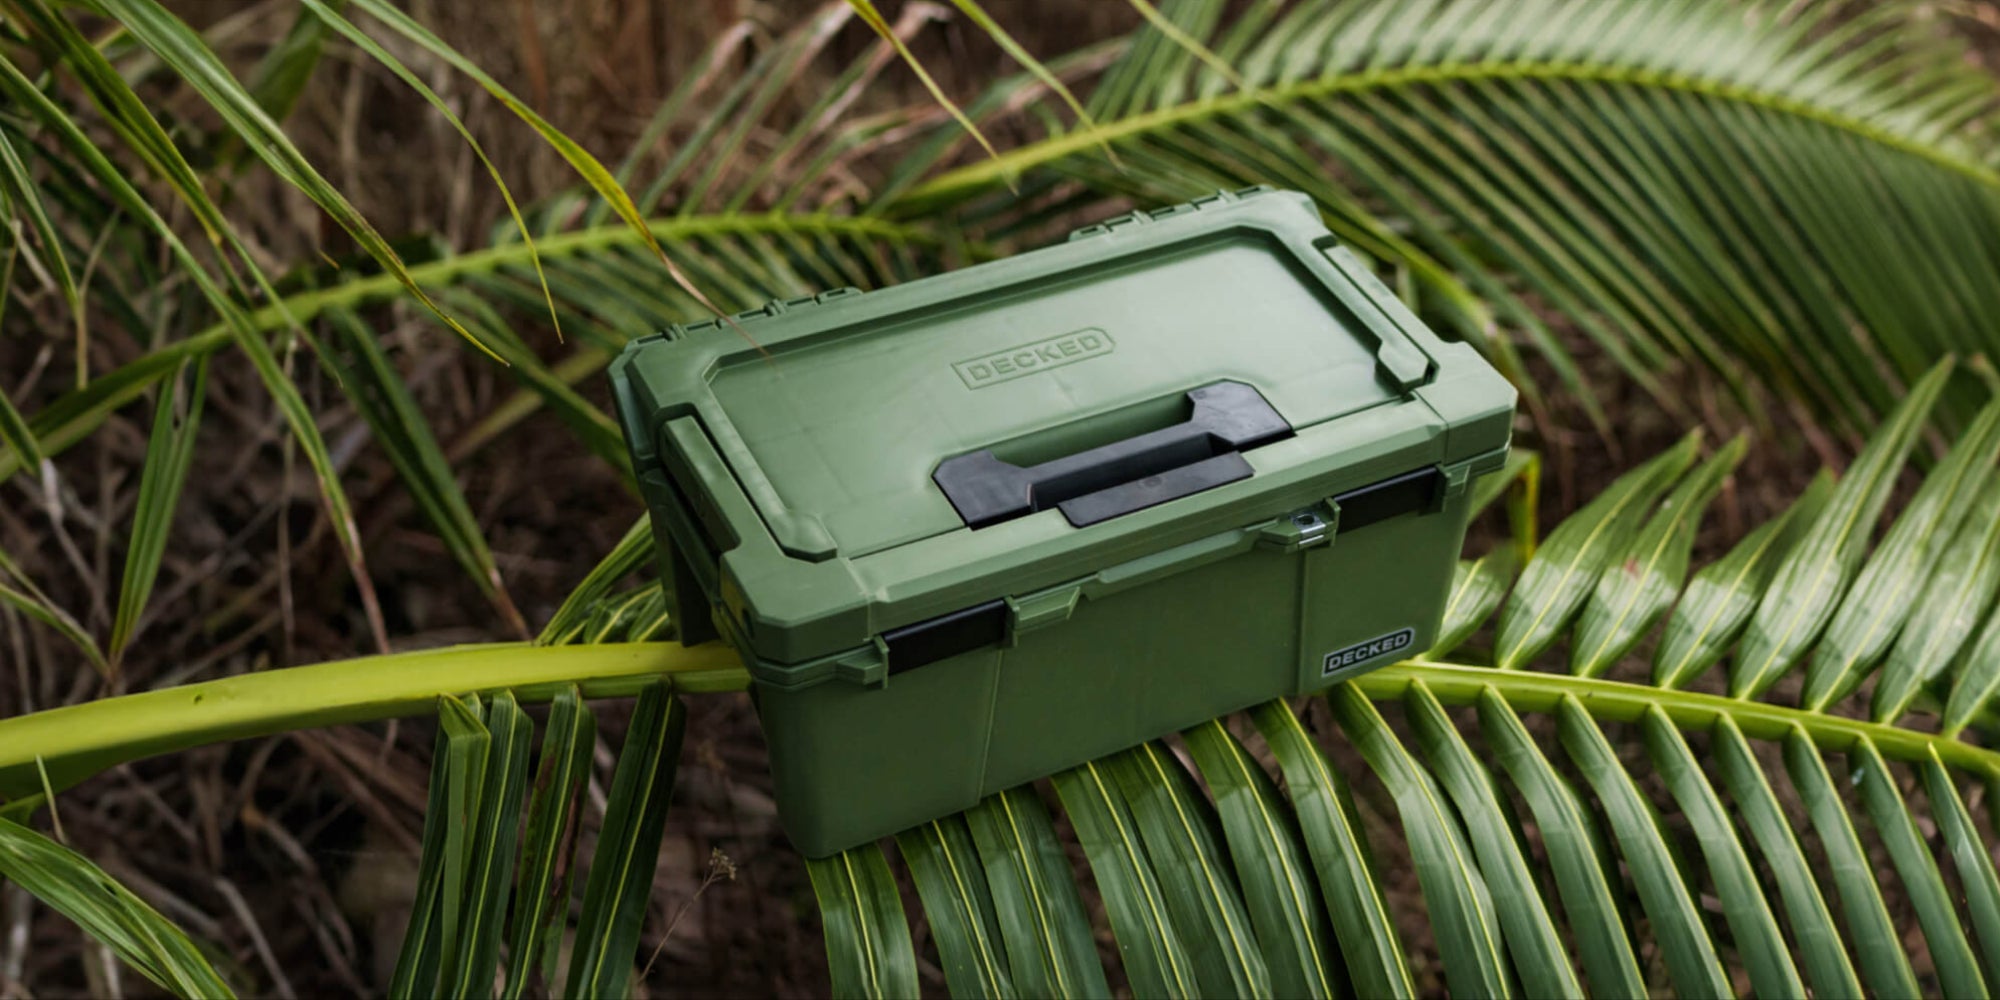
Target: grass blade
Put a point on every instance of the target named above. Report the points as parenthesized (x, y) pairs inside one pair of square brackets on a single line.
[(1878, 940), (21, 593), (579, 159), (541, 900), (329, 16), (867, 938), (372, 384), (1525, 921), (1951, 949), (1752, 925), (169, 454), (243, 332), (1270, 864), (469, 969), (1596, 913), (873, 16), (1874, 611), (456, 765), (1718, 602), (1477, 586), (1042, 920), (628, 847), (1676, 920), (71, 885), (281, 76), (1815, 574), (18, 189), (1201, 894), (1634, 592), (1015, 51), (625, 558), (1156, 962), (17, 435), (944, 864), (1361, 924), (180, 48), (1455, 893), (1559, 578)]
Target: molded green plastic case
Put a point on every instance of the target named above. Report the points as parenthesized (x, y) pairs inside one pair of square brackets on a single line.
[(907, 664)]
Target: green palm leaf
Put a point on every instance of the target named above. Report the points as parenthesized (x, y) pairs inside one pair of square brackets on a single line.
[(79, 890), (1730, 186), (1461, 904), (1155, 959), (1270, 864), (1751, 922), (1556, 582), (1172, 862), (1814, 576), (867, 941), (1530, 931), (1634, 591), (1819, 943), (1204, 902), (615, 898), (1041, 915), (950, 881), (542, 888), (1951, 949)]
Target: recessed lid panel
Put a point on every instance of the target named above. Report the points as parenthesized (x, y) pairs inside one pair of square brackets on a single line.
[(1055, 351)]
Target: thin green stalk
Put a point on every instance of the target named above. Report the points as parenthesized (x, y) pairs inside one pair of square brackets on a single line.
[(1527, 690), (80, 740), (133, 379), (1013, 163), (77, 741)]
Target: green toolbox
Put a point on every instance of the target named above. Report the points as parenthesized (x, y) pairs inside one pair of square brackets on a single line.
[(972, 530)]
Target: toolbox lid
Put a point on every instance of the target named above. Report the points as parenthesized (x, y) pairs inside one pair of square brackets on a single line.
[(1032, 359)]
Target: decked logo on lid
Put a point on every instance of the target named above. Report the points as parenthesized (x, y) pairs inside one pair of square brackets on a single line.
[(1362, 652), (1027, 359)]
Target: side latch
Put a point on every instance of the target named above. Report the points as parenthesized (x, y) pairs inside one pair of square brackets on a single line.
[(1418, 492), (946, 636)]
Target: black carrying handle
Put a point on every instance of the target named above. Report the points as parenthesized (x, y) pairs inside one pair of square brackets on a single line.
[(1201, 452)]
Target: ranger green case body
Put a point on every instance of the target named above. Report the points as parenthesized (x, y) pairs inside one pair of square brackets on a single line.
[(1212, 461)]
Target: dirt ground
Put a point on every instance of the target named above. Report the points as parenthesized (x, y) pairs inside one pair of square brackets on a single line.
[(294, 855)]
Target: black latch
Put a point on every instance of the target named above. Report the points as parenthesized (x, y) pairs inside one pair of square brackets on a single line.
[(1417, 492), (946, 635)]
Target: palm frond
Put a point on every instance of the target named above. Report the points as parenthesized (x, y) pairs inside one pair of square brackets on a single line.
[(1795, 194), (1214, 893), (1726, 889)]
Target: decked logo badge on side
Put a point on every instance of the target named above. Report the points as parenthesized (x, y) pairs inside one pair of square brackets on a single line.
[(1362, 652), (1027, 359)]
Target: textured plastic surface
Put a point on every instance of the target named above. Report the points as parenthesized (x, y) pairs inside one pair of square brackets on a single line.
[(908, 662)]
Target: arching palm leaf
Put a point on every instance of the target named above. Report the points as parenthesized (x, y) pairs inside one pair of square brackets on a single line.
[(1805, 192), (1821, 927), (1801, 926)]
